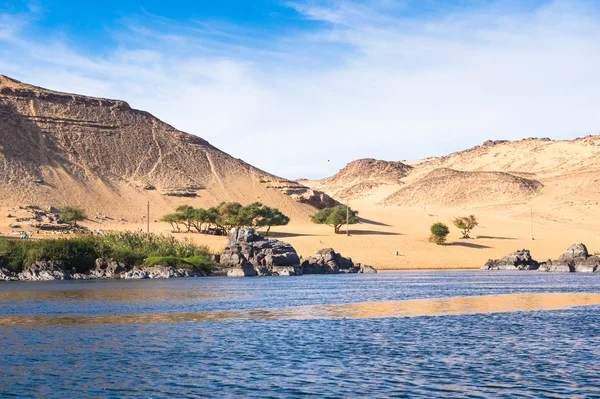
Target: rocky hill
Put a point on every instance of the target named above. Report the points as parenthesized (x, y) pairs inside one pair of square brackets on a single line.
[(58, 149), (358, 178)]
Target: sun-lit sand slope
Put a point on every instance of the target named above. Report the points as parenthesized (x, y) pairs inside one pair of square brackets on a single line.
[(58, 149), (552, 186)]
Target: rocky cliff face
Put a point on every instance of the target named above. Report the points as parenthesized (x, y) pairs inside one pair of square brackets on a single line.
[(57, 148)]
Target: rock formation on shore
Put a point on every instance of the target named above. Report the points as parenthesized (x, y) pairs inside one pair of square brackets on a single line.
[(250, 254), (518, 260), (574, 259), (60, 149)]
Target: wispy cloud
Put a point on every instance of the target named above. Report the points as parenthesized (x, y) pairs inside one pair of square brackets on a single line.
[(369, 82)]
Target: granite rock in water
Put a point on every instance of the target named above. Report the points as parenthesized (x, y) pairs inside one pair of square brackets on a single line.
[(327, 261), (518, 260), (41, 270), (574, 259), (250, 254), (158, 271), (7, 275), (367, 269), (104, 269)]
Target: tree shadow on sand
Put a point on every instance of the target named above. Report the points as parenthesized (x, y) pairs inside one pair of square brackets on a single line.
[(373, 222), (370, 232), (496, 238), (274, 234), (468, 245)]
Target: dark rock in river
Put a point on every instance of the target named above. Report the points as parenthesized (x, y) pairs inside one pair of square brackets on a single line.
[(104, 269), (367, 269), (41, 270), (518, 260), (7, 275), (250, 254), (327, 261), (159, 271), (574, 259)]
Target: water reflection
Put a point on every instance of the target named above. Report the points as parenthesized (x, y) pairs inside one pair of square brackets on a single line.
[(109, 295), (367, 310)]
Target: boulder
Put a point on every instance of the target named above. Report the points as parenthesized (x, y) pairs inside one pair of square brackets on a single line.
[(251, 254), (574, 259), (555, 267), (104, 269), (588, 265), (574, 253), (80, 276), (518, 260), (367, 269), (327, 261), (50, 270), (159, 271), (7, 275), (246, 270)]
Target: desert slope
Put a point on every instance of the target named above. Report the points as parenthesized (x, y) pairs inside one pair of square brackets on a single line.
[(58, 149)]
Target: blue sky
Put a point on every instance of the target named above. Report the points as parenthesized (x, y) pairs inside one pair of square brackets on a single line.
[(288, 85)]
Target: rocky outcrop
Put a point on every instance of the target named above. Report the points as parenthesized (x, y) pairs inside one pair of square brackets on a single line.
[(250, 254), (327, 261), (41, 270), (574, 259), (7, 275), (159, 271), (518, 260), (367, 270), (104, 269)]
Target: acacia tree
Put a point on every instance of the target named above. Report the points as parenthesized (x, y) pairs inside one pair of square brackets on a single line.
[(187, 215), (173, 219), (465, 224), (439, 232), (335, 217), (269, 217), (226, 216), (72, 214)]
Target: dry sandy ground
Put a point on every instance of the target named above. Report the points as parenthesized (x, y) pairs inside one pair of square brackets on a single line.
[(387, 230)]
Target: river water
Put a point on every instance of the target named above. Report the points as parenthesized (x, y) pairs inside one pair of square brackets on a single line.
[(422, 334)]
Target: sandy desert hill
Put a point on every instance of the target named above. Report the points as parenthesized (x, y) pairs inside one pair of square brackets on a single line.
[(560, 180), (61, 149)]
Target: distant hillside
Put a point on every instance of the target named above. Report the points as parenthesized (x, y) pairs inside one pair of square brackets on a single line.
[(58, 149), (559, 180), (358, 178), (448, 188)]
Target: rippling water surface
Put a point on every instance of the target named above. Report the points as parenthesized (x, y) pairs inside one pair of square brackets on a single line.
[(423, 334)]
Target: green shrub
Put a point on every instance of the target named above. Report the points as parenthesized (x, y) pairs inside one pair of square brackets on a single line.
[(465, 224), (72, 214), (131, 248), (439, 232), (196, 263)]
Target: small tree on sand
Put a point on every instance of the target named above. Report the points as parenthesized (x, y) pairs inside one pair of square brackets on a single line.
[(465, 224), (173, 219), (72, 214), (439, 232), (271, 217), (335, 217)]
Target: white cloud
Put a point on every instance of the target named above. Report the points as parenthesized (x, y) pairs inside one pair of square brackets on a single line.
[(369, 83)]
